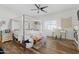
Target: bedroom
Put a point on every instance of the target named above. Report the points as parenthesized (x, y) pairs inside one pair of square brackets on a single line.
[(25, 29)]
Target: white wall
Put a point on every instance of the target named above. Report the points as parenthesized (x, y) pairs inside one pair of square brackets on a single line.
[(6, 14), (58, 17)]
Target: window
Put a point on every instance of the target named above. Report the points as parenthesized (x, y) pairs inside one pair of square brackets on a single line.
[(50, 25)]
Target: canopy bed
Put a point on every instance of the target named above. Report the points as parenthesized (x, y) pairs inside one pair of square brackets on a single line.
[(27, 30)]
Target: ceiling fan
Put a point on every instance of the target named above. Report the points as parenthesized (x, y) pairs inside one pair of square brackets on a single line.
[(39, 8)]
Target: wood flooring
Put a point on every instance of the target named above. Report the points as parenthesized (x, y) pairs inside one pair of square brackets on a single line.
[(52, 47)]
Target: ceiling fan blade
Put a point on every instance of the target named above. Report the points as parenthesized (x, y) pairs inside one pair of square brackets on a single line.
[(33, 9), (43, 7), (37, 6), (43, 10)]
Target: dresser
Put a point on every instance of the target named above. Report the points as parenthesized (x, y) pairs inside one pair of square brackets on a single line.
[(6, 36)]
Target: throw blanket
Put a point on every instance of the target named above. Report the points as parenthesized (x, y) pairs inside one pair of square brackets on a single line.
[(36, 38)]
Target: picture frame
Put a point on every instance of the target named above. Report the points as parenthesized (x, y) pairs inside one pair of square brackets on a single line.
[(35, 25)]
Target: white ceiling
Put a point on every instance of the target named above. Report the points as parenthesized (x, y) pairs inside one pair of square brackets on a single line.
[(26, 8)]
